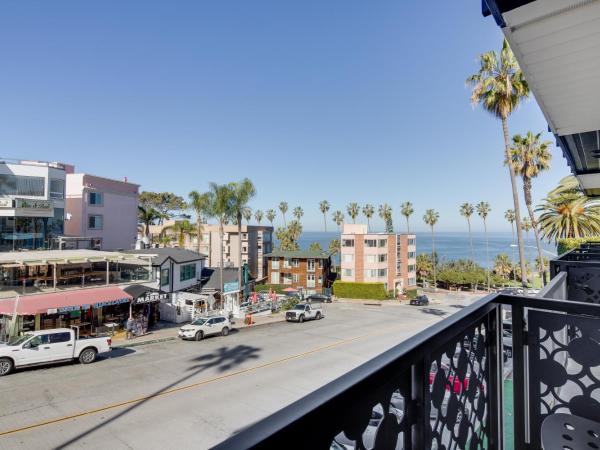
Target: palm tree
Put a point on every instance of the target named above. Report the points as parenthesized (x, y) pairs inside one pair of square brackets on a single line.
[(467, 210), (324, 208), (247, 213), (431, 218), (502, 265), (315, 247), (530, 156), (334, 246), (271, 214), (147, 216), (510, 216), (406, 209), (368, 211), (242, 192), (353, 211), (222, 209), (200, 203), (283, 207), (338, 218), (258, 216), (499, 86), (298, 213), (385, 212), (181, 229), (483, 210)]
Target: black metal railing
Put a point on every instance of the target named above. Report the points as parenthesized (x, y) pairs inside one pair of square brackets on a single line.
[(443, 388)]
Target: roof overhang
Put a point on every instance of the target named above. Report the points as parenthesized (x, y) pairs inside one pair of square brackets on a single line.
[(557, 44)]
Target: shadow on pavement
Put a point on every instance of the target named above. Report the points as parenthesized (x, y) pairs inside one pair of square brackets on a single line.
[(457, 306), (117, 352), (222, 359), (434, 311)]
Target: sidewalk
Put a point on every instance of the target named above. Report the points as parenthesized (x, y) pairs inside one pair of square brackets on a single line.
[(168, 331)]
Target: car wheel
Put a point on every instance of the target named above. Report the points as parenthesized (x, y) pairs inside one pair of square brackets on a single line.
[(199, 335), (318, 316), (6, 366), (87, 356), (225, 331), (301, 318)]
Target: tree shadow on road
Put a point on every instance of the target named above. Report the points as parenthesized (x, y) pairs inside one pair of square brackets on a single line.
[(434, 311), (222, 359)]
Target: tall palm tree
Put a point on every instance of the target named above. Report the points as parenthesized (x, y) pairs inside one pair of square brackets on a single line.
[(531, 156), (324, 208), (298, 213), (483, 210), (222, 209), (242, 192), (271, 214), (406, 209), (353, 210), (467, 210), (200, 203), (510, 216), (499, 86), (334, 246), (283, 207), (181, 229), (368, 210), (385, 212), (258, 216), (338, 218), (147, 216), (431, 218), (247, 213)]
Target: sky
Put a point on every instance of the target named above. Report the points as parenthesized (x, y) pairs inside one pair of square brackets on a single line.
[(343, 100)]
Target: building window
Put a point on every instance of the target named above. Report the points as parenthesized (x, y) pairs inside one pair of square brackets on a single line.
[(244, 249), (286, 263), (287, 278), (371, 243), (382, 243), (347, 272), (274, 277), (164, 277), (95, 198), (94, 222), (244, 236), (295, 262), (370, 273), (310, 264), (57, 189), (382, 273), (412, 268), (320, 279), (347, 242), (310, 280), (22, 185), (411, 255), (347, 257), (370, 259), (296, 277), (411, 241), (275, 264), (412, 281), (382, 258), (187, 272)]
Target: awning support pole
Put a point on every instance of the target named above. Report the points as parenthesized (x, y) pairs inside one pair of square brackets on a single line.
[(54, 276), (107, 272)]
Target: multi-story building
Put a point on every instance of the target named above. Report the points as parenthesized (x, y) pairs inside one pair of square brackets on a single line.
[(32, 203), (102, 208), (387, 258), (309, 271)]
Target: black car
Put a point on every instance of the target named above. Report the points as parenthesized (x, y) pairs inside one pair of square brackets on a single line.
[(323, 298), (421, 300)]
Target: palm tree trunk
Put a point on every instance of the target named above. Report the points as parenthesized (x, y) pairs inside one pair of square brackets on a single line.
[(433, 259), (487, 254), (515, 193), (239, 229), (368, 224), (325, 221), (199, 231), (471, 240), (407, 226), (512, 227), (221, 263), (537, 237)]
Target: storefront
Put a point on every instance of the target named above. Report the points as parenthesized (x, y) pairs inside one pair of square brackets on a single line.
[(145, 303)]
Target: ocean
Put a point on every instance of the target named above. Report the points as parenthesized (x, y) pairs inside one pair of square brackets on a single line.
[(453, 245)]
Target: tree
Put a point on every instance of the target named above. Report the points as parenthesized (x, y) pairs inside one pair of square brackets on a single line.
[(288, 236), (283, 207), (241, 193), (406, 209), (271, 214), (530, 156), (298, 212), (147, 216), (353, 210), (222, 209), (200, 203), (502, 266), (247, 213), (499, 86), (338, 218), (315, 247), (526, 226), (181, 229), (510, 216), (258, 216), (324, 208), (431, 218), (368, 210), (385, 212), (483, 210), (166, 203), (467, 210), (334, 246), (424, 265)]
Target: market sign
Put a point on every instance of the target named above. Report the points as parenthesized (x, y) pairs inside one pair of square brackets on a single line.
[(151, 297), (6, 203), (33, 208), (231, 286)]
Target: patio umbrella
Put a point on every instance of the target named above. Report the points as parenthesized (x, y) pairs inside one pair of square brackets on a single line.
[(290, 290)]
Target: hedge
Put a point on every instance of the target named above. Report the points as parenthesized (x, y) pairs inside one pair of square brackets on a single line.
[(277, 288), (371, 291), (564, 245), (411, 293)]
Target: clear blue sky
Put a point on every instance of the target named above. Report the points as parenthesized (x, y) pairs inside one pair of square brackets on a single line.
[(344, 100)]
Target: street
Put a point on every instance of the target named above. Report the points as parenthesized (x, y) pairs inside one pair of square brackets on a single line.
[(176, 394)]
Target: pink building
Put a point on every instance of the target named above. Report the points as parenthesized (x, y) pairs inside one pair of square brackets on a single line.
[(386, 258), (102, 208)]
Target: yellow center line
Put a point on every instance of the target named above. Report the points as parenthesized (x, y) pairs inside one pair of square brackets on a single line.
[(190, 386)]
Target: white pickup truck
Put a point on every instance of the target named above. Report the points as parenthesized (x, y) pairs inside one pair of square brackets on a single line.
[(305, 311), (50, 346)]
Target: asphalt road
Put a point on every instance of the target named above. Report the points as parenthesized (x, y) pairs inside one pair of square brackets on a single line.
[(195, 394)]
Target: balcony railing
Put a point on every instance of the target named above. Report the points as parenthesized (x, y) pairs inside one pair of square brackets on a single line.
[(445, 387)]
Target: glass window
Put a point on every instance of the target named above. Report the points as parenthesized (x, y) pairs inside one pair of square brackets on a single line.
[(382, 258), (164, 277), (412, 268), (382, 243), (286, 263), (295, 262), (347, 272), (22, 185), (370, 242), (94, 222), (347, 257), (57, 189), (274, 264), (57, 338), (412, 281), (95, 198), (296, 277), (274, 277), (382, 272), (411, 241), (347, 242), (310, 263), (371, 258), (58, 222), (187, 272), (411, 255)]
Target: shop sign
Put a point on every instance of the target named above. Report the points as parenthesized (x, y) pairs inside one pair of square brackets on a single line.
[(6, 203), (231, 287), (64, 309), (151, 297), (111, 302), (34, 208), (52, 311)]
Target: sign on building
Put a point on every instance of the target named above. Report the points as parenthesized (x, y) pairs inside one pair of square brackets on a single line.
[(231, 287)]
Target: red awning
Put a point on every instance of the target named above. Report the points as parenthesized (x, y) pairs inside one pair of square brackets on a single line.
[(65, 301)]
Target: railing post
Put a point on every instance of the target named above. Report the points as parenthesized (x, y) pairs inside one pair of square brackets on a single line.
[(419, 410), (519, 382), (495, 353)]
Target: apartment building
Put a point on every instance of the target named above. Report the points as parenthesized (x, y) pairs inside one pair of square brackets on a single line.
[(309, 271), (387, 258), (103, 209)]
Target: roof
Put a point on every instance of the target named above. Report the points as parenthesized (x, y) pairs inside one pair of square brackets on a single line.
[(44, 257), (65, 301), (230, 275), (161, 254), (300, 254), (138, 290)]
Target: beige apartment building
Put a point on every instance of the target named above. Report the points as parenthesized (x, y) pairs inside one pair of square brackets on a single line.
[(386, 258)]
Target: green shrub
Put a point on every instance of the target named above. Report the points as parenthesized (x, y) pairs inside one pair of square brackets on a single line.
[(277, 288), (371, 291), (289, 303), (564, 245), (412, 293)]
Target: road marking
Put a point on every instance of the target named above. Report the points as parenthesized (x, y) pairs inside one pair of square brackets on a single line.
[(191, 386)]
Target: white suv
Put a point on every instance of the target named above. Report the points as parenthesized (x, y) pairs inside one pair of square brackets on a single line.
[(205, 326)]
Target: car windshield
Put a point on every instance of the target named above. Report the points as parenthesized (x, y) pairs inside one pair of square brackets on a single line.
[(18, 340), (299, 307), (199, 322)]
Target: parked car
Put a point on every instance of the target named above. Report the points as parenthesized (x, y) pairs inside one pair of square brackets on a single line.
[(205, 326), (304, 311), (323, 298), (50, 346), (421, 300)]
